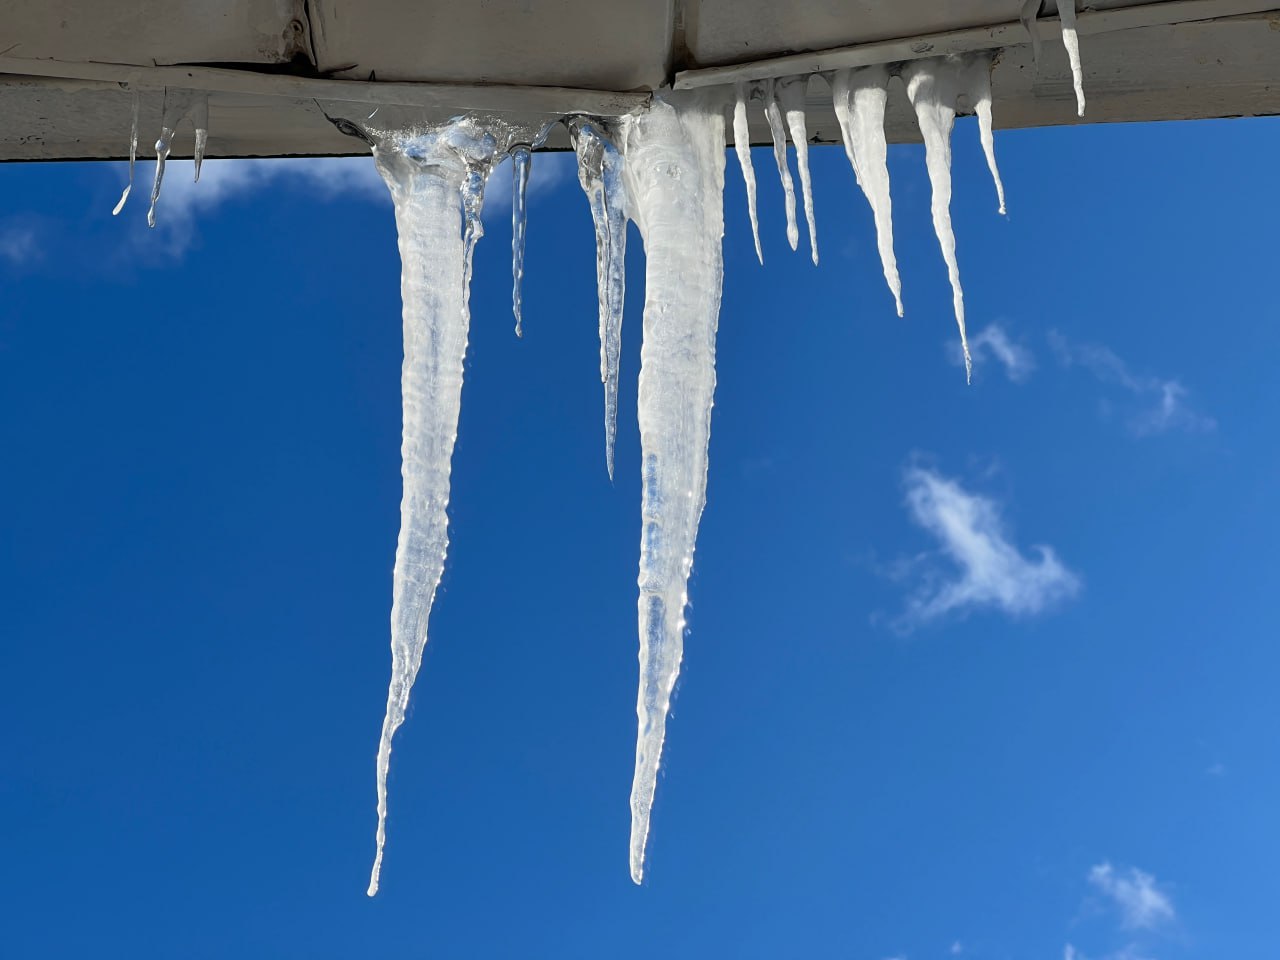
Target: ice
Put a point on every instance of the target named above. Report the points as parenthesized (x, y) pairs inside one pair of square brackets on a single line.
[(133, 156), (742, 147), (600, 171), (521, 158), (178, 105), (791, 93), (859, 98), (200, 120), (773, 114), (933, 86), (979, 94), (1031, 10), (437, 181), (674, 171), (1070, 40)]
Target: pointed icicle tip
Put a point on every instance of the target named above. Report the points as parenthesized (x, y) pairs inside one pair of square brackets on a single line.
[(791, 94), (133, 158), (742, 147), (773, 114), (521, 161)]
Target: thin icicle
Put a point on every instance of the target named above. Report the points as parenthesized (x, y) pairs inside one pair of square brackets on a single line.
[(1071, 40), (742, 147), (521, 158), (791, 93), (600, 171), (133, 156), (773, 114), (979, 94), (178, 105), (1031, 10), (933, 86), (200, 120), (859, 98), (437, 183), (675, 179)]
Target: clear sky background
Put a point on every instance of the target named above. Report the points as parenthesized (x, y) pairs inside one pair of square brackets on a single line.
[(982, 672)]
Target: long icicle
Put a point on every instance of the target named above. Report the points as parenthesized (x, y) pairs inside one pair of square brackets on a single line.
[(600, 172), (133, 156), (859, 98), (742, 147), (178, 106), (791, 94), (521, 159), (675, 158), (1071, 40), (979, 93), (436, 182), (933, 85), (773, 114)]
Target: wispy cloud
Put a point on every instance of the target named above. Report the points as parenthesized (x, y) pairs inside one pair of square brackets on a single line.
[(183, 202), (993, 343), (1142, 905), (988, 571), (1127, 952), (1160, 404), (18, 244)]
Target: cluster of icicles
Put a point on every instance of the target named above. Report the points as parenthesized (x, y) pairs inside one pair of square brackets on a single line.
[(664, 170)]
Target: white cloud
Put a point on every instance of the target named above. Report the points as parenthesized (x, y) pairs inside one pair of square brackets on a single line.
[(957, 948), (1161, 404), (1142, 906), (1128, 952), (990, 570), (182, 201), (994, 343), (18, 244)]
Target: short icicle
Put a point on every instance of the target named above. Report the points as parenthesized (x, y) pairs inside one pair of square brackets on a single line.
[(859, 97), (600, 171), (675, 156), (1071, 40), (773, 114), (133, 156), (791, 94), (436, 181), (521, 159), (200, 120), (979, 93), (933, 86), (742, 147)]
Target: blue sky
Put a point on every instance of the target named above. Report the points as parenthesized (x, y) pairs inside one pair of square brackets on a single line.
[(979, 671)]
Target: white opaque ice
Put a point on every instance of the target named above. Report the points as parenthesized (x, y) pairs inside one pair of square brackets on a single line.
[(859, 98), (791, 94), (1071, 40), (773, 114), (742, 147), (933, 86), (675, 157), (979, 93)]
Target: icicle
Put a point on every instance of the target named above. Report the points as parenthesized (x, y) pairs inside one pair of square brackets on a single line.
[(791, 92), (933, 86), (200, 120), (521, 158), (979, 94), (774, 115), (600, 171), (675, 179), (1070, 40), (133, 156), (1031, 10), (436, 182), (742, 147), (859, 98), (177, 106)]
